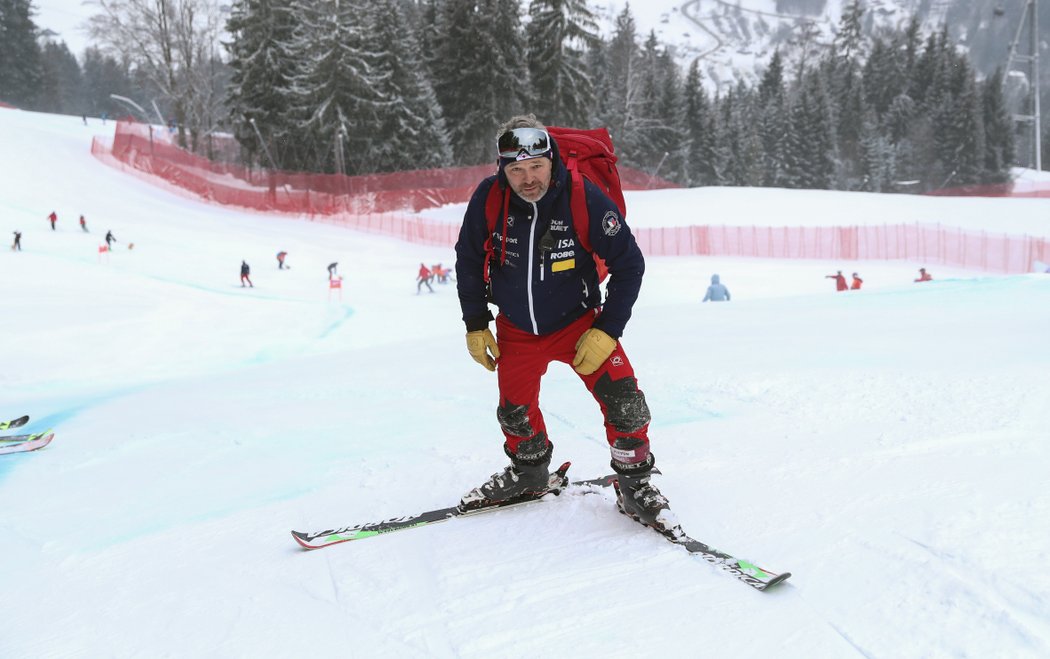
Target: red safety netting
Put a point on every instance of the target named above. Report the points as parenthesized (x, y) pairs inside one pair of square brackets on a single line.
[(150, 150), (387, 203), (975, 250)]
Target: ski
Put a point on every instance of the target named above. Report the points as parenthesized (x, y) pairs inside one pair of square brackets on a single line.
[(757, 577), (30, 443), (13, 439), (318, 539), (14, 423), (746, 571)]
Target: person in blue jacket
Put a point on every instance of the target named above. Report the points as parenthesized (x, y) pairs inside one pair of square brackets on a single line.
[(550, 309), (717, 291)]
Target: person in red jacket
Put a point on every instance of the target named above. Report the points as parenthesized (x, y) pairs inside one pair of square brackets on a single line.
[(54, 218), (857, 282), (924, 276), (840, 281), (423, 278)]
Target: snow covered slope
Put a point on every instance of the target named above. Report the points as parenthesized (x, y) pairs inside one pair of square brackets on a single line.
[(887, 446)]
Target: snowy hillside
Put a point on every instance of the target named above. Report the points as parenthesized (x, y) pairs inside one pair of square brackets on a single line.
[(887, 446)]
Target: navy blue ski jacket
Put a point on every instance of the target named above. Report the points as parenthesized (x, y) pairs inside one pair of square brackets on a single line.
[(544, 285)]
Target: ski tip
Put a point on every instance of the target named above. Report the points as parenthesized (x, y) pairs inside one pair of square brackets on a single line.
[(319, 541), (779, 579), (16, 423), (33, 443), (303, 540)]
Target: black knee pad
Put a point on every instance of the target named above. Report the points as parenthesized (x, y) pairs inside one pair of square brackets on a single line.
[(625, 406), (514, 419)]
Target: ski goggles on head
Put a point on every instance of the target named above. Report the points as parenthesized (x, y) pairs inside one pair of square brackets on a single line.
[(523, 143)]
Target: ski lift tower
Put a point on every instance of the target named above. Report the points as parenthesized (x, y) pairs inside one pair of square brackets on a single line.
[(1031, 19)]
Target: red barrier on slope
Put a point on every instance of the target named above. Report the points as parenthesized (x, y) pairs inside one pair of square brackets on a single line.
[(387, 203), (972, 250)]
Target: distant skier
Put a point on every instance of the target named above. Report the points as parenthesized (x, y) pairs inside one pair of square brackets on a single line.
[(717, 291), (110, 239), (440, 273), (331, 269), (245, 271), (924, 276), (857, 282), (280, 259), (840, 281), (17, 245), (83, 224), (53, 217), (423, 278)]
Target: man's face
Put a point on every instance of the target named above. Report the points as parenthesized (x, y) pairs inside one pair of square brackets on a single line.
[(529, 179)]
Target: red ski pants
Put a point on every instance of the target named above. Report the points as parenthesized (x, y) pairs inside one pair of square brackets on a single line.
[(524, 358)]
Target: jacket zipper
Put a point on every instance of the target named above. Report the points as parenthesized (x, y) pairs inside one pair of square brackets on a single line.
[(532, 248)]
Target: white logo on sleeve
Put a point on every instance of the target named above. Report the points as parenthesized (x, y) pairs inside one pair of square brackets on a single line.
[(611, 224)]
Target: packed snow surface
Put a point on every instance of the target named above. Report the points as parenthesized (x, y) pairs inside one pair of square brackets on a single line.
[(888, 446)]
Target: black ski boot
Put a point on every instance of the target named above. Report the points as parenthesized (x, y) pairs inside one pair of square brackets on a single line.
[(527, 474), (636, 497), (639, 499)]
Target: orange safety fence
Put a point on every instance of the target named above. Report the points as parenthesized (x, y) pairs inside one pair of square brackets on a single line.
[(149, 149), (387, 204), (972, 250)]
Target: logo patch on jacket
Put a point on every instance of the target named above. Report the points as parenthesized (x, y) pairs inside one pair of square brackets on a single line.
[(559, 266), (611, 224)]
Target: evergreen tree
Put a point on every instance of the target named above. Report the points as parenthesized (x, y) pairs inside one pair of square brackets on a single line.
[(645, 144), (261, 72), (998, 131), (20, 71), (596, 60), (773, 123), (883, 76), (61, 81), (811, 145), (741, 144), (480, 76), (104, 75), (966, 128), (849, 38), (928, 67), (842, 71), (671, 145), (410, 133), (877, 163), (333, 103), (619, 103), (557, 37), (700, 165)]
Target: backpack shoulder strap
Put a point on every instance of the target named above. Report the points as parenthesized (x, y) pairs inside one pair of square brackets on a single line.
[(496, 204), (578, 200)]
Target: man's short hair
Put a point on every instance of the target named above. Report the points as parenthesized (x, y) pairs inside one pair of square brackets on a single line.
[(520, 121)]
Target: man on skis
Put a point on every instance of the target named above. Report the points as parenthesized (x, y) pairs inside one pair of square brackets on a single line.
[(546, 288)]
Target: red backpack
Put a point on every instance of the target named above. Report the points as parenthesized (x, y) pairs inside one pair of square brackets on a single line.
[(586, 153)]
